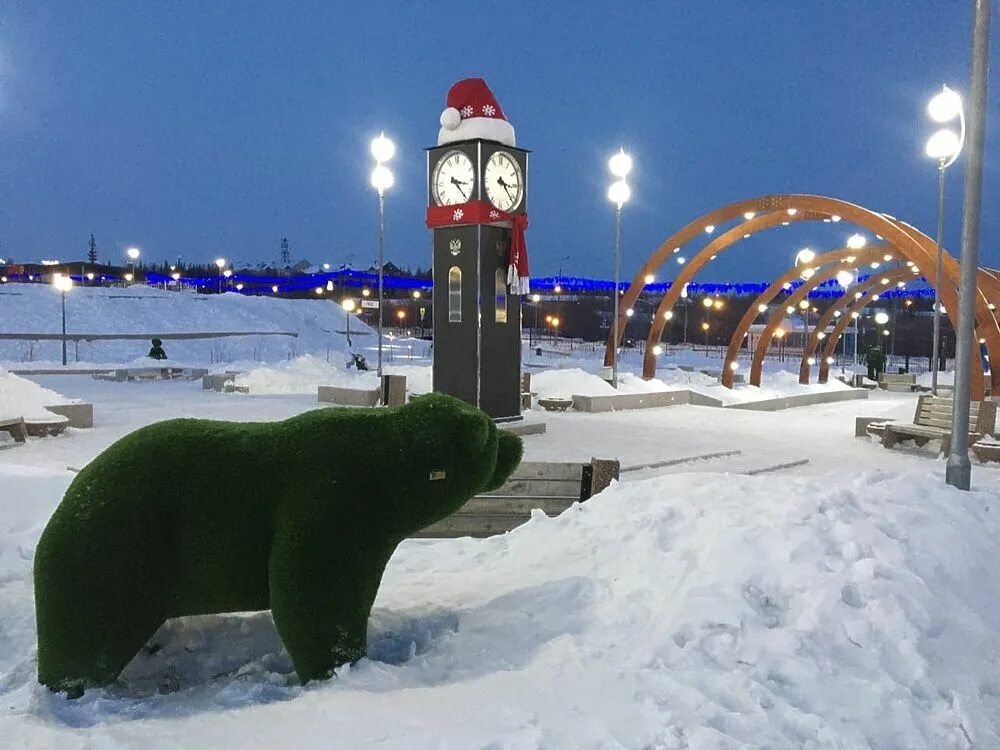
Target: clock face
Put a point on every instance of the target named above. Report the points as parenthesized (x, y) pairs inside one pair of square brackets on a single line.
[(454, 179), (504, 181)]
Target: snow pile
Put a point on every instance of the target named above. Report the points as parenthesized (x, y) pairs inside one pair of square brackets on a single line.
[(679, 612), (23, 398), (320, 324), (302, 375)]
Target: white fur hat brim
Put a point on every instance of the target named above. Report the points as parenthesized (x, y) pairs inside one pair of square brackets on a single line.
[(486, 128)]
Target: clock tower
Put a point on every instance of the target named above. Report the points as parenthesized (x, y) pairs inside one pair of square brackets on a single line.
[(477, 200)]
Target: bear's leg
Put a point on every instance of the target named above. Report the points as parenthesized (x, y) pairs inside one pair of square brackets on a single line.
[(321, 598), (90, 649)]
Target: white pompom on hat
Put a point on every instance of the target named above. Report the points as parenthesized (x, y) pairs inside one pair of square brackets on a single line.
[(473, 112)]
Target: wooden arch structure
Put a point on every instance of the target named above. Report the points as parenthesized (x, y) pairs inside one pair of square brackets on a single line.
[(767, 212), (864, 290)]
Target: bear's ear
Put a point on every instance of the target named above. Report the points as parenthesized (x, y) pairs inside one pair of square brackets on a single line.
[(510, 449)]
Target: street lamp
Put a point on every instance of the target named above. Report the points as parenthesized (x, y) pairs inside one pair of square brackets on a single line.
[(845, 279), (944, 146), (619, 165), (220, 264), (348, 305), (133, 255), (535, 299), (63, 284), (382, 150)]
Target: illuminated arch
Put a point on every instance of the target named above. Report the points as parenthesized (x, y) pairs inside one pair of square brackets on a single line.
[(780, 210), (856, 306), (836, 257), (841, 305)]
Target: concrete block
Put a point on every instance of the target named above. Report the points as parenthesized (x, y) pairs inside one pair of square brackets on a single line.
[(331, 394), (79, 415), (393, 390)]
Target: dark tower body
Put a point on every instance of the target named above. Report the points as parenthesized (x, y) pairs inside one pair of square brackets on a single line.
[(477, 322)]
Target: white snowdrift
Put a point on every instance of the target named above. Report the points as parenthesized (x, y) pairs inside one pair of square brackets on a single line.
[(34, 308), (690, 611), (20, 397)]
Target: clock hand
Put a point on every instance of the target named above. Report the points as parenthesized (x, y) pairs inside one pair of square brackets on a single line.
[(458, 184)]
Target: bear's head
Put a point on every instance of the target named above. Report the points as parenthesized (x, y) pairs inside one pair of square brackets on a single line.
[(456, 451)]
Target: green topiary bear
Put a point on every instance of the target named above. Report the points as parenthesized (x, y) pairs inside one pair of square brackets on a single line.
[(193, 516)]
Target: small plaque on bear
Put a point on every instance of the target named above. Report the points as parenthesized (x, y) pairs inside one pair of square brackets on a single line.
[(436, 475)]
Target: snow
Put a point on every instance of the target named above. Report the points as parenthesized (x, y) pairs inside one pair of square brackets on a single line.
[(320, 325), (20, 397), (846, 603)]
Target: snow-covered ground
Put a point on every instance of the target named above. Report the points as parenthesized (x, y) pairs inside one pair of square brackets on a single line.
[(20, 397), (844, 598), (844, 603), (320, 325)]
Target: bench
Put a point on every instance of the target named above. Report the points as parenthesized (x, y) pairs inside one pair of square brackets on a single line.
[(902, 382), (15, 427), (555, 404), (932, 421), (549, 487), (45, 427), (987, 450)]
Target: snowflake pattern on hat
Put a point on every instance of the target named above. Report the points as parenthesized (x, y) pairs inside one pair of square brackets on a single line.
[(489, 110)]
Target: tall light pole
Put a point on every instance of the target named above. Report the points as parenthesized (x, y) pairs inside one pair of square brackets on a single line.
[(382, 150), (133, 255), (63, 284), (220, 263), (944, 146), (620, 165), (959, 469), (348, 305), (536, 299)]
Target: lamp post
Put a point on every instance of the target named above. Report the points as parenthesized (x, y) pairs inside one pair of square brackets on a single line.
[(220, 263), (959, 469), (348, 305), (228, 273), (382, 150), (63, 284), (944, 146), (133, 255), (535, 298), (620, 165)]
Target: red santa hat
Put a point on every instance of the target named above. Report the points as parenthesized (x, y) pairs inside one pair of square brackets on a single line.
[(473, 112)]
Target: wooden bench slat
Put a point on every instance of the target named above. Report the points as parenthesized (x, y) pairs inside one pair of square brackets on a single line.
[(542, 470)]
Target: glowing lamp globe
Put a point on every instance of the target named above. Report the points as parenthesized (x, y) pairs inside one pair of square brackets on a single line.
[(881, 318), (382, 178), (945, 106), (707, 302), (220, 262), (649, 278), (536, 298), (856, 241), (382, 149), (805, 255), (668, 315), (348, 305), (761, 308), (629, 313), (944, 144), (619, 192), (620, 164), (804, 304), (845, 278), (734, 366), (62, 283), (657, 350), (811, 361), (133, 253)]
